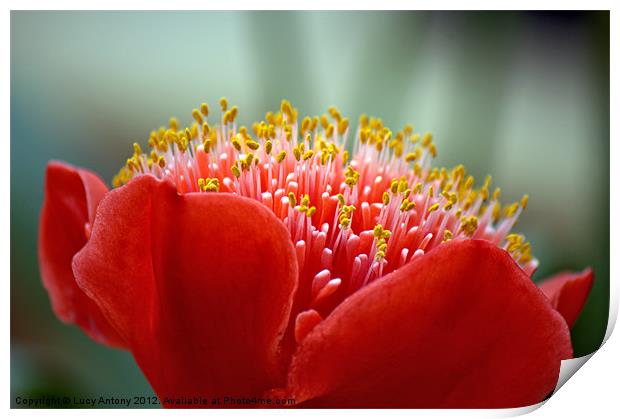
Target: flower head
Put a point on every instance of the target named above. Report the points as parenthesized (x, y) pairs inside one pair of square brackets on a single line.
[(308, 258)]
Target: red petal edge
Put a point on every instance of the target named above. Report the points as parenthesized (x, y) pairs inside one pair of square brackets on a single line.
[(568, 292), (199, 285), (461, 327), (71, 198)]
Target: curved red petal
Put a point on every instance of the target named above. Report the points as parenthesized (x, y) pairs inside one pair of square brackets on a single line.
[(71, 198), (462, 326), (200, 285), (568, 292)]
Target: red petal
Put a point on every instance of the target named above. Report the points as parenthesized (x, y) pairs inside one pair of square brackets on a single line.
[(568, 292), (200, 285), (462, 326), (71, 198)]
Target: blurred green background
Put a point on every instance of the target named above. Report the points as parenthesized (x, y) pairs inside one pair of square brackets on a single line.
[(522, 96)]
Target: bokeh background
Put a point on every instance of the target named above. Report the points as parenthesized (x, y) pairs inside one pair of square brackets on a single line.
[(522, 96)]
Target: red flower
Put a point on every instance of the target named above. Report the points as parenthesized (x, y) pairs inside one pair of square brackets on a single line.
[(278, 288)]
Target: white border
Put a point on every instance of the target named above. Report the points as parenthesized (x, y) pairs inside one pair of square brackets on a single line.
[(593, 393)]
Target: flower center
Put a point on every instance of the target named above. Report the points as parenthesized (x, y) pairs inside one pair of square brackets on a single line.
[(356, 210)]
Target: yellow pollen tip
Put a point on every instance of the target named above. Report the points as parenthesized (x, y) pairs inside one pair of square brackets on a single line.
[(197, 116), (281, 156), (524, 201), (291, 199), (204, 109), (386, 198), (224, 104), (235, 170), (433, 207), (174, 124), (252, 145), (469, 225), (496, 194), (426, 139)]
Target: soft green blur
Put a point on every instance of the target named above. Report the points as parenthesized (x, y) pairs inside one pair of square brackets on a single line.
[(522, 96)]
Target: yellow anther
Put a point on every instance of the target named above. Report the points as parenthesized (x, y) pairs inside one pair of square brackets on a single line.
[(137, 151), (205, 129), (469, 182), (511, 209), (308, 155), (345, 156), (379, 145), (409, 157), (426, 139), (235, 170), (292, 199), (398, 150), (363, 120), (340, 199), (496, 211), (386, 198), (433, 150), (329, 132), (524, 201), (496, 193), (447, 235), (314, 123), (364, 135), (387, 135), (403, 205), (305, 125), (394, 186), (351, 176), (417, 188), (249, 159), (161, 162), (305, 200), (433, 207), (236, 143), (377, 231), (297, 153), (281, 156), (252, 145), (469, 225), (408, 130), (415, 138), (197, 116), (268, 147), (286, 109), (224, 104), (174, 124), (311, 211), (402, 185), (484, 193), (204, 109), (324, 121), (343, 125)]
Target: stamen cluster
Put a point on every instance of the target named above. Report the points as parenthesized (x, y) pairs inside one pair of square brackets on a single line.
[(356, 210)]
